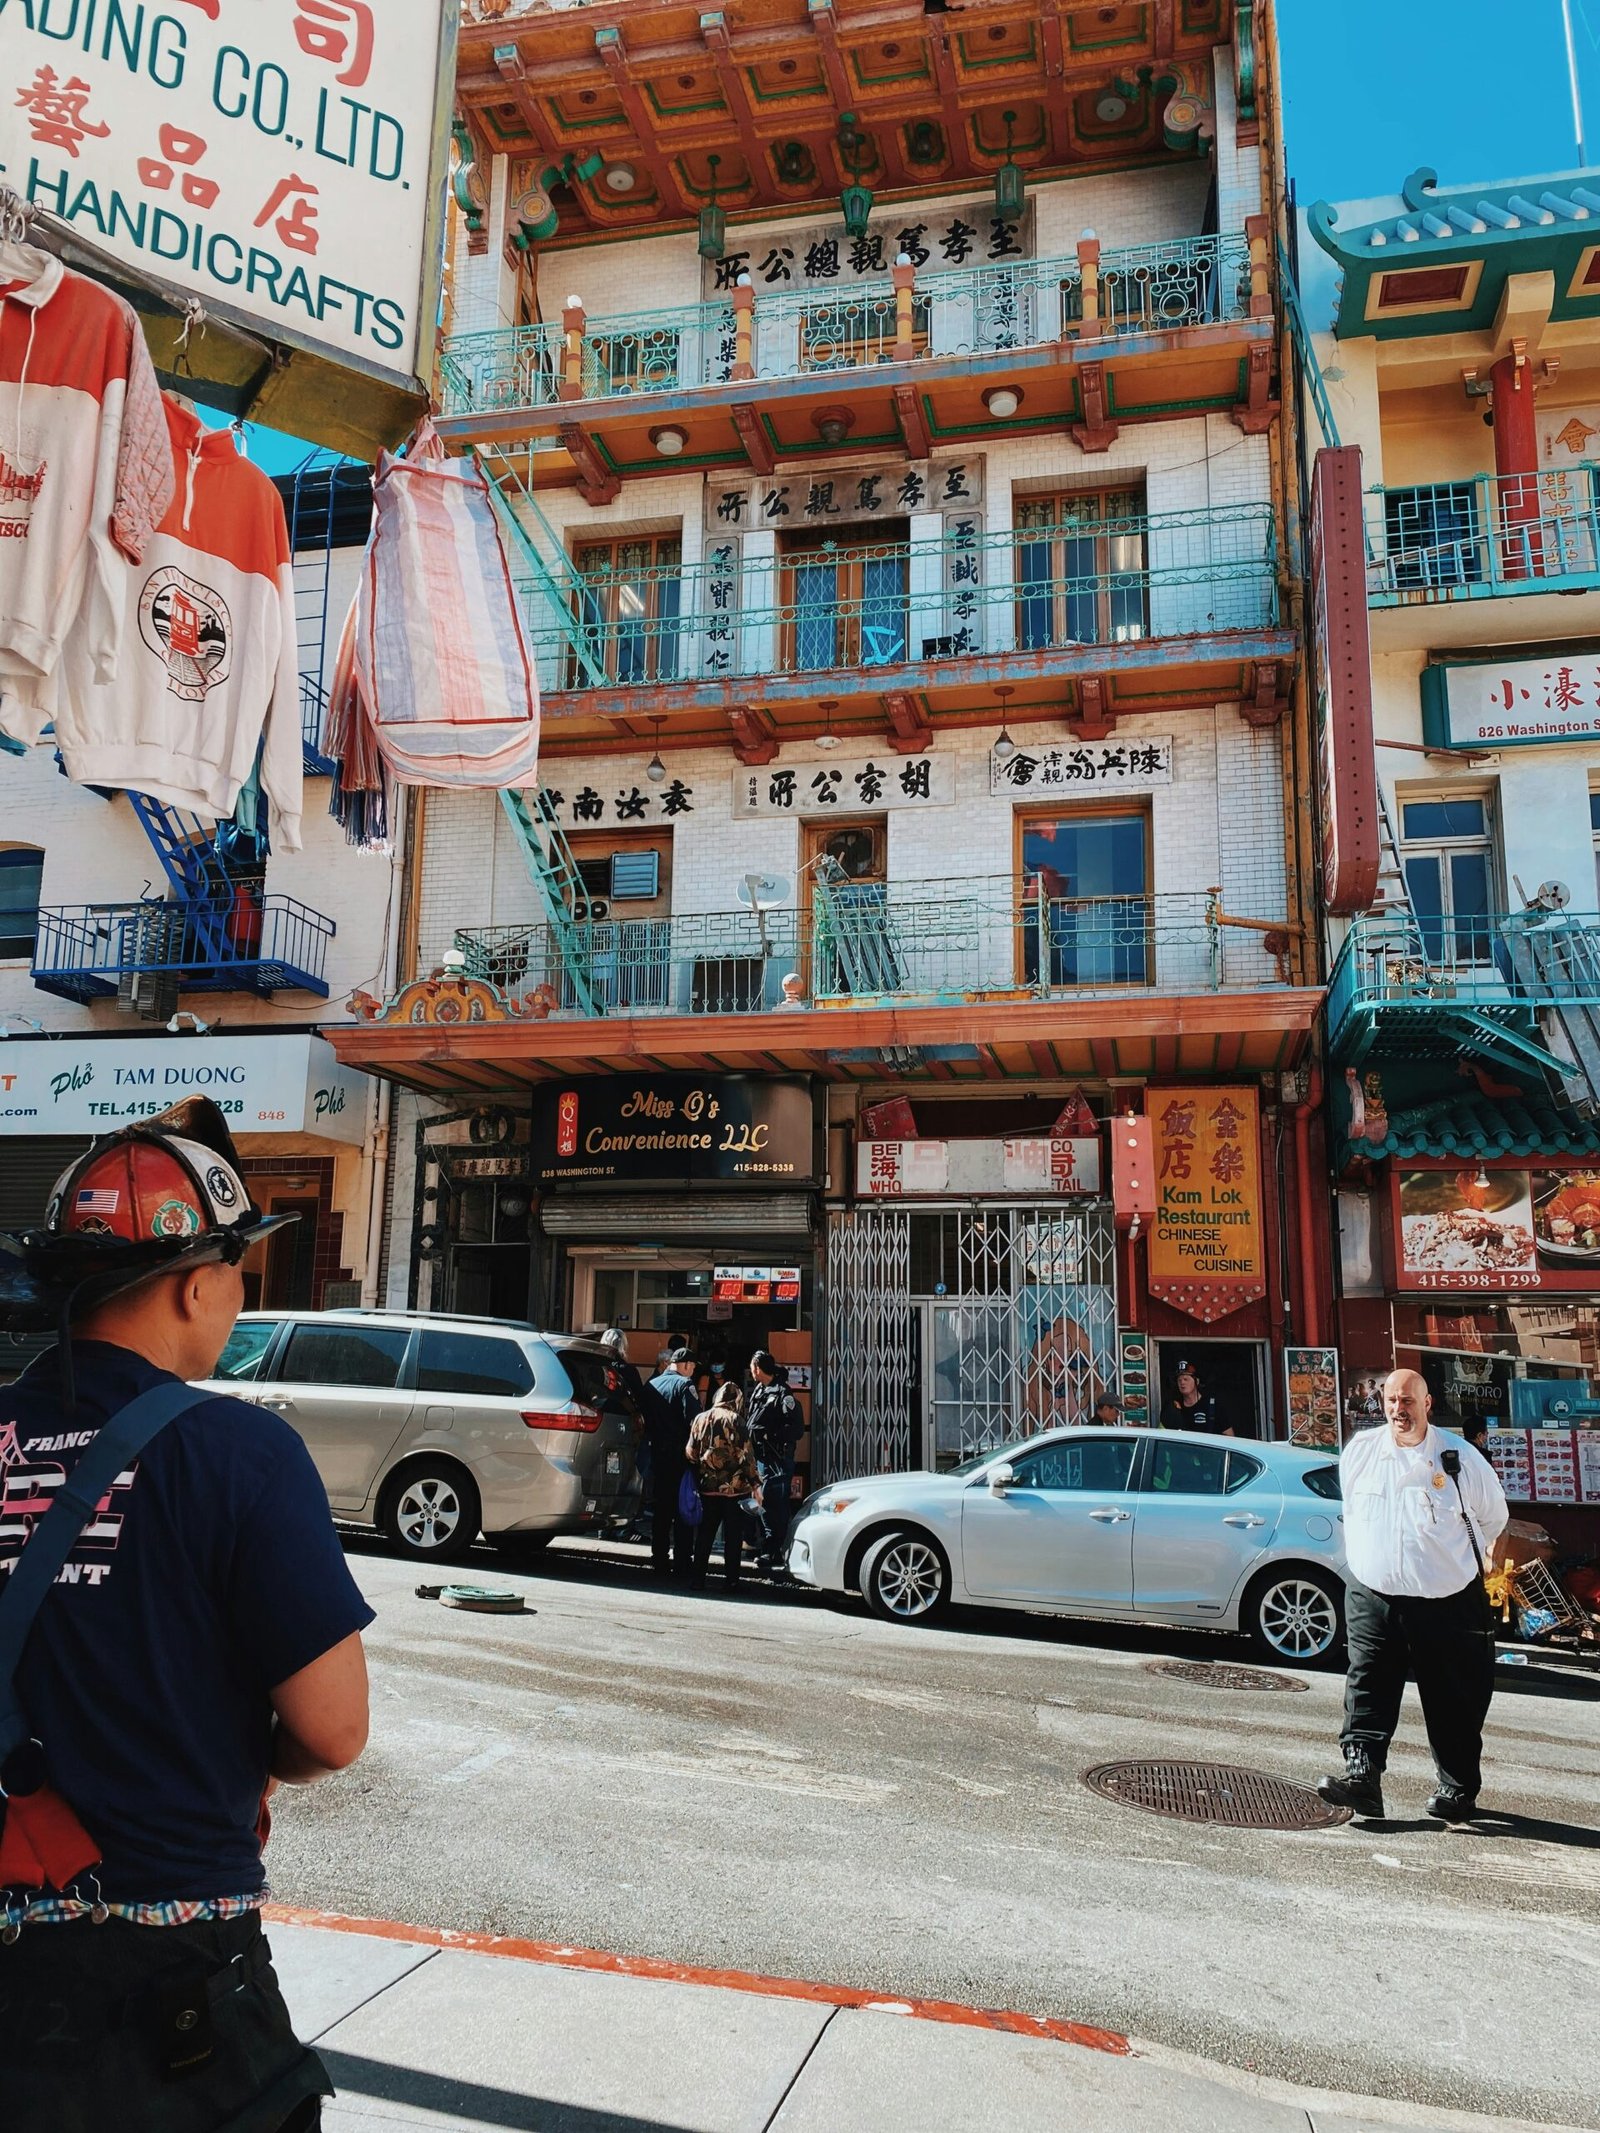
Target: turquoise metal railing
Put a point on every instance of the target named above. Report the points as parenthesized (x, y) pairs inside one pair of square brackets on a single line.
[(1421, 964), (825, 327), (1485, 535), (901, 942), (859, 606)]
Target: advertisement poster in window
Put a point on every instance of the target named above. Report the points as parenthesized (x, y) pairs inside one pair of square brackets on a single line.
[(1206, 1251), (1312, 1379), (1476, 1227), (1133, 1374)]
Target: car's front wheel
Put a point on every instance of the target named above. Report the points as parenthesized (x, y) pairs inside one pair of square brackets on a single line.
[(431, 1511), (1294, 1614), (905, 1578)]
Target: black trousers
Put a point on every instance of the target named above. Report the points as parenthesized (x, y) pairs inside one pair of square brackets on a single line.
[(1447, 1647), (720, 1511), (670, 1546), (108, 2026)]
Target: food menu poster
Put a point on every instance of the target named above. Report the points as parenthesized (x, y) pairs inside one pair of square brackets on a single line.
[(1133, 1371), (1476, 1227), (1312, 1376), (1547, 1465)]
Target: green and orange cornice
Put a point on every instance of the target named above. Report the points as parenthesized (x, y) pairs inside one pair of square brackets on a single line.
[(1442, 264)]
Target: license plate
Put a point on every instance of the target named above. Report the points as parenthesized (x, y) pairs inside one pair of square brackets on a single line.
[(613, 1462)]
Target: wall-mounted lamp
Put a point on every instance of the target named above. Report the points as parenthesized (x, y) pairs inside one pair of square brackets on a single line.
[(1005, 747), (1002, 401), (655, 770), (668, 440)]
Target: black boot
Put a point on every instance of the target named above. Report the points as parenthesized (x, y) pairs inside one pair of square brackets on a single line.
[(1451, 1804), (1360, 1789)]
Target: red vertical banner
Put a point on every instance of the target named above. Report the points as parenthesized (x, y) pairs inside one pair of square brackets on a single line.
[(1342, 672)]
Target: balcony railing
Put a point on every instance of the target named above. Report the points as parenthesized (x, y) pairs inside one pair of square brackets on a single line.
[(817, 609), (825, 328), (90, 951), (870, 943), (1484, 972), (1487, 534)]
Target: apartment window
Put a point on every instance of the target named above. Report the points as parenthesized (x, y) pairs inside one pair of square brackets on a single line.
[(844, 606), (1081, 569), (1447, 849), (629, 607), (1084, 904), (21, 873), (1431, 536)]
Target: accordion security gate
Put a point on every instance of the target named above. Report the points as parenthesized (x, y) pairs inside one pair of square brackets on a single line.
[(946, 1331)]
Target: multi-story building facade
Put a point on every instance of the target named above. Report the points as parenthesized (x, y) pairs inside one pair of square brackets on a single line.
[(1461, 354), (883, 406), (146, 955)]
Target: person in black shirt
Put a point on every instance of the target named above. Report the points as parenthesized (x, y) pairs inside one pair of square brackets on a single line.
[(775, 1423), (670, 1405), (1190, 1408), (201, 1646)]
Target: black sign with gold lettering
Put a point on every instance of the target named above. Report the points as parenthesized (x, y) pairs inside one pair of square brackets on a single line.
[(682, 1129)]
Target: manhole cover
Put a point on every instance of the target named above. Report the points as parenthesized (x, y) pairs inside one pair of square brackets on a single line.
[(1205, 1676), (1213, 1792)]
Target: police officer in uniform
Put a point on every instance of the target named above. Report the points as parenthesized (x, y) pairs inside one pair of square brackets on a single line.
[(670, 1405), (200, 1645), (1423, 1518)]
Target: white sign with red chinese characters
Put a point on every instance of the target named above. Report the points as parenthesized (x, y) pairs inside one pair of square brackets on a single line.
[(280, 159), (1047, 1166), (887, 1169), (868, 787), (1513, 703)]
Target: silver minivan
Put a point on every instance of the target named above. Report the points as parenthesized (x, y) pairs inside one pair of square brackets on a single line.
[(436, 1429)]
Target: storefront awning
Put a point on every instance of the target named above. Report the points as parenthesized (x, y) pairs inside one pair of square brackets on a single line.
[(1482, 1127)]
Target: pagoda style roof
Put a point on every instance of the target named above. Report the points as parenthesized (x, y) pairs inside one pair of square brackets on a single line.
[(1441, 263)]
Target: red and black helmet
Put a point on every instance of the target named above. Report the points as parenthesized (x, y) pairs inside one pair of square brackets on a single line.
[(151, 1196)]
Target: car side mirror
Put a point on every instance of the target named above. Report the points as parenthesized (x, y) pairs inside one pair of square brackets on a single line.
[(1001, 1478)]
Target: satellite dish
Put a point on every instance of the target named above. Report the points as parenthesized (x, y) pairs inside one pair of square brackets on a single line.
[(763, 892), (1552, 896)]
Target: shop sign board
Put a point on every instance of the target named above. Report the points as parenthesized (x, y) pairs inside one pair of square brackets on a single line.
[(844, 496), (1207, 1254), (1342, 673), (1494, 1229), (871, 785), (261, 1084), (1036, 1169), (1311, 1381), (819, 257), (1512, 703), (1117, 766), (284, 163), (714, 1129)]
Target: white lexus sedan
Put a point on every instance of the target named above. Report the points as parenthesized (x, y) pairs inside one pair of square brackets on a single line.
[(1127, 1525)]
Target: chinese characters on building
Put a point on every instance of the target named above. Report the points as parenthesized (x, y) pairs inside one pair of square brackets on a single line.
[(1511, 701), (622, 800), (814, 258), (1089, 764), (1205, 1245), (869, 787), (783, 502)]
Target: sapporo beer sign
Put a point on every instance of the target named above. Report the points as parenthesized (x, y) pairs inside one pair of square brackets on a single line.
[(276, 158), (1206, 1254), (676, 1128)]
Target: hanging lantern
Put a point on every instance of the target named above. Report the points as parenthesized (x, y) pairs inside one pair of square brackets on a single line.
[(1010, 193), (713, 237), (855, 199)]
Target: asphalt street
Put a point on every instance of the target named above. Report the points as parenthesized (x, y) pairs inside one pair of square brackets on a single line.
[(762, 1783)]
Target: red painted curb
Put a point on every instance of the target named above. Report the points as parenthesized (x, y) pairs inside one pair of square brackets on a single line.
[(648, 1966)]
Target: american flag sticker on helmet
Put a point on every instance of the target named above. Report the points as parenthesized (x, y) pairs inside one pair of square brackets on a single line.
[(94, 1200)]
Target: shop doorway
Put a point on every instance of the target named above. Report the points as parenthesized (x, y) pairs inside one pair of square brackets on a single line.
[(674, 1298), (1232, 1373), (282, 1268)]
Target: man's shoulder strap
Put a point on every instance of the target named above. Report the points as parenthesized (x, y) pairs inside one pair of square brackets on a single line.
[(35, 1570)]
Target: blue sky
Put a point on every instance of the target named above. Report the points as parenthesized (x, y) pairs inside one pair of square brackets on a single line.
[(1372, 88), (1474, 88)]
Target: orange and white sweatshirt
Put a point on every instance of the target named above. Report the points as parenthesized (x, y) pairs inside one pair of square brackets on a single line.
[(85, 474), (209, 664)]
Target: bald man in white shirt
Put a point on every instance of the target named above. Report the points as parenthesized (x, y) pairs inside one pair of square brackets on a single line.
[(1423, 1516)]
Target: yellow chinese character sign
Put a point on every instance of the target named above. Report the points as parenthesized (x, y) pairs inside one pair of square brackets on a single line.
[(1207, 1255)]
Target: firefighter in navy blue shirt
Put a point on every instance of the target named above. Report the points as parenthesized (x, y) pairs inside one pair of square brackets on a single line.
[(201, 1645)]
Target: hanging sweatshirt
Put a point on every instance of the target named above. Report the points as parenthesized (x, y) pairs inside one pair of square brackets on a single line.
[(85, 474), (209, 668)]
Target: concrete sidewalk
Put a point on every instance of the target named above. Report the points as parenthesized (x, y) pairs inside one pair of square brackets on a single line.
[(470, 2032)]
